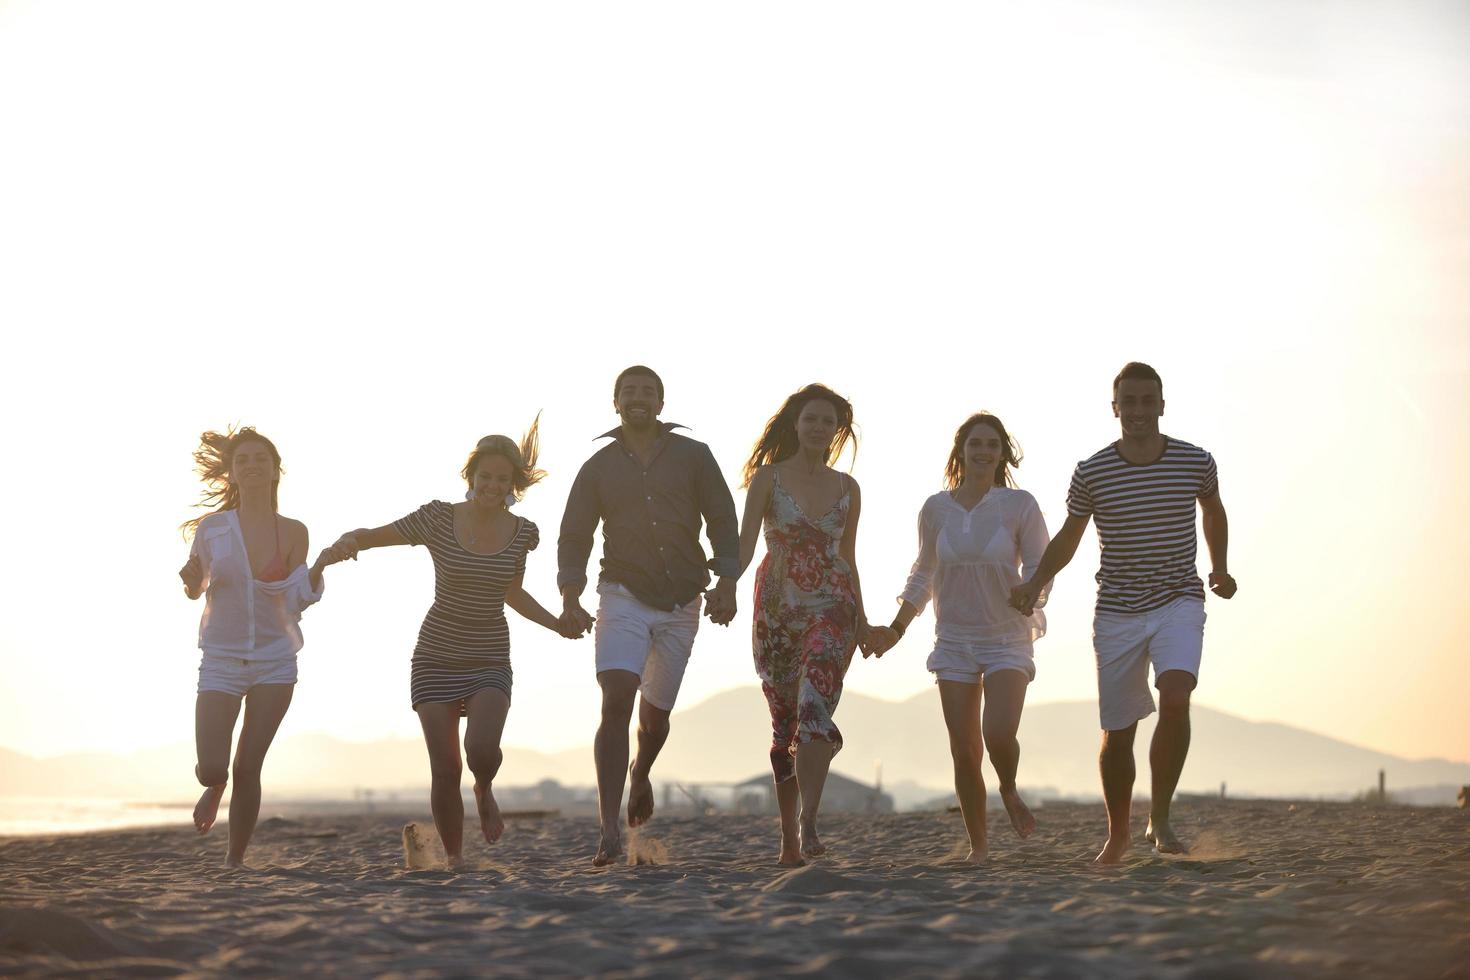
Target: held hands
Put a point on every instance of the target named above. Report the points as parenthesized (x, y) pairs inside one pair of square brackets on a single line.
[(193, 575), (1024, 597), (878, 640), (719, 602), (574, 621), (1222, 584), (342, 549)]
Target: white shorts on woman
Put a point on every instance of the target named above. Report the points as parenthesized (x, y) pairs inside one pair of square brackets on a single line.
[(235, 676), (969, 662)]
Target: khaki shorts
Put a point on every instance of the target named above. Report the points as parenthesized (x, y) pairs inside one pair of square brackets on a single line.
[(645, 641), (1170, 637)]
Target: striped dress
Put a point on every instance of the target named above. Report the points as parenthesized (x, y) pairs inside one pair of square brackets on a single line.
[(1145, 514), (464, 643)]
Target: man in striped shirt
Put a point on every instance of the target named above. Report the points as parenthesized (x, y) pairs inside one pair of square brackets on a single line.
[(1150, 601)]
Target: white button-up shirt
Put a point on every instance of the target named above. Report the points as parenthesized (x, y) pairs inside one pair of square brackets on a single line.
[(243, 616), (970, 559)]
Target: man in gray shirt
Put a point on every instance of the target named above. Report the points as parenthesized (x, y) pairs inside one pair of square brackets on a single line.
[(650, 487)]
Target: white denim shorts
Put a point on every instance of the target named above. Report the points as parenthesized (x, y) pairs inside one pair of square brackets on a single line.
[(968, 663), (1170, 637), (649, 642), (236, 675)]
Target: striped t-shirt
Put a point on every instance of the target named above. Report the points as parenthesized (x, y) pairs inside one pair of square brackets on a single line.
[(1145, 523)]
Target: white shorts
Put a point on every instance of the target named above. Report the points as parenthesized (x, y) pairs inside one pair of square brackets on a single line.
[(236, 675), (968, 663), (642, 640), (1171, 637)]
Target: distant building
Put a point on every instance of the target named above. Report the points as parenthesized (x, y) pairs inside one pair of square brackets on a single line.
[(839, 795)]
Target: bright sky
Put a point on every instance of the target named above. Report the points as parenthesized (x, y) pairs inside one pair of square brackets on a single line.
[(379, 231)]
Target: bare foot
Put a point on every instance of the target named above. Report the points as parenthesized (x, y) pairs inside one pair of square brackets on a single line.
[(1112, 852), (491, 823), (208, 808), (982, 856), (237, 863), (608, 852), (811, 844), (1022, 821), (1161, 836), (455, 862), (640, 799), (790, 854)]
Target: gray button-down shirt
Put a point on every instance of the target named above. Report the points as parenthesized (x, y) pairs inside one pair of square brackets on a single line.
[(650, 520)]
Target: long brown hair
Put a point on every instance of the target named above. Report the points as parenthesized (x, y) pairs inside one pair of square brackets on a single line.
[(212, 460), (954, 470), (522, 458), (779, 441)]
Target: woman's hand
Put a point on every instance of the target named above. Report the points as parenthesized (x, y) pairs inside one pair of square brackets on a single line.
[(342, 549), (879, 640), (193, 575)]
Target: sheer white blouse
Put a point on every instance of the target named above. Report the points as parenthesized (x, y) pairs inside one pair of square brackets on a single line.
[(970, 559), (243, 616)]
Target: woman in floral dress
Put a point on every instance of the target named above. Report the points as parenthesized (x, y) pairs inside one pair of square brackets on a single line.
[(808, 614)]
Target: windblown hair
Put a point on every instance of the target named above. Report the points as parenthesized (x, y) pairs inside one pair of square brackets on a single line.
[(212, 460), (1138, 371), (954, 470), (522, 458), (779, 441)]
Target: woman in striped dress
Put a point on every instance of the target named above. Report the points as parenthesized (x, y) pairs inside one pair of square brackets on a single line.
[(461, 664)]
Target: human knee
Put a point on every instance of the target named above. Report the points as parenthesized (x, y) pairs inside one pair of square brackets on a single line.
[(446, 770), (966, 752), (213, 774), (246, 770), (484, 760)]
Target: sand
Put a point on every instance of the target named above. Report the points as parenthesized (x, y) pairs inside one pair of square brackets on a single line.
[(1272, 889)]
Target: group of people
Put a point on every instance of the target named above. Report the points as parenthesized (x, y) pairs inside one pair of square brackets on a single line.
[(985, 560)]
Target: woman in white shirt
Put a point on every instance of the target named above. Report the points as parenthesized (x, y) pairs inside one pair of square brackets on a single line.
[(249, 563), (977, 539)]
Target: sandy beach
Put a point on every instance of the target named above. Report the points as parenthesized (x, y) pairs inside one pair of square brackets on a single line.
[(1271, 889)]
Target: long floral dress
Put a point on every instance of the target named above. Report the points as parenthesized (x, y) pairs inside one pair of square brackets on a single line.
[(805, 624)]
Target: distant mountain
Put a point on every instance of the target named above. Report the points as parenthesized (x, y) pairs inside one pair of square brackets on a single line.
[(726, 738)]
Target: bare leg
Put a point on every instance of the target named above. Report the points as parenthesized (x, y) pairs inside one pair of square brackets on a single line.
[(961, 704), (610, 751), (440, 723), (653, 731), (214, 724), (1166, 756), (788, 800), (265, 706), (1116, 764), (813, 759), (486, 722), (1005, 696)]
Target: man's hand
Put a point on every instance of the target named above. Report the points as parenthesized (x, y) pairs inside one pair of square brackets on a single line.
[(575, 621), (193, 575), (1222, 584), (879, 640), (719, 603), (1024, 597)]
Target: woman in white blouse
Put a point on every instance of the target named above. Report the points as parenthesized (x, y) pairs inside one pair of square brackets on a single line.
[(977, 539), (249, 563)]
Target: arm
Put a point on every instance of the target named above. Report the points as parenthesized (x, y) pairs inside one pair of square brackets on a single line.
[(193, 572), (848, 549), (574, 545), (1217, 540), (757, 502), (717, 508), (1025, 596), (349, 544), (1031, 543), (517, 598), (916, 592)]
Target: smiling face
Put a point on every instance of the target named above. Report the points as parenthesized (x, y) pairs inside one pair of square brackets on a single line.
[(253, 466), (816, 425), (637, 401), (983, 449), (1137, 404), (492, 481)]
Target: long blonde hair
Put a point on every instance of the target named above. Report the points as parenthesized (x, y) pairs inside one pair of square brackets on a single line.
[(213, 459)]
